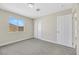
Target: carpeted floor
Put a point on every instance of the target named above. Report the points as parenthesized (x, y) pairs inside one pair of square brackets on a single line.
[(36, 47)]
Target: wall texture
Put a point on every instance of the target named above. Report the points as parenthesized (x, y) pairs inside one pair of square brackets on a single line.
[(49, 26), (8, 37), (77, 38)]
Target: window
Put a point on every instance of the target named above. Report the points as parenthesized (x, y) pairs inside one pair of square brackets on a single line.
[(20, 25), (16, 24)]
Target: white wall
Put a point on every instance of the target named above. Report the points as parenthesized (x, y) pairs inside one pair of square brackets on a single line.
[(49, 26), (76, 24), (8, 37), (77, 38)]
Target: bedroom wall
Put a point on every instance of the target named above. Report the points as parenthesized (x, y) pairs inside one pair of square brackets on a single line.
[(49, 26), (7, 37), (77, 38)]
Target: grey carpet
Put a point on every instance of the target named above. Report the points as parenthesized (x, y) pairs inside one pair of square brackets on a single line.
[(36, 47)]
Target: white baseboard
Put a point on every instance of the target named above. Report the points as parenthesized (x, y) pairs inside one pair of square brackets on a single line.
[(47, 40), (11, 42), (52, 42)]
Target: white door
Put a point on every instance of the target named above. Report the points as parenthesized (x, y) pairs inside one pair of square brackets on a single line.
[(64, 30), (38, 29)]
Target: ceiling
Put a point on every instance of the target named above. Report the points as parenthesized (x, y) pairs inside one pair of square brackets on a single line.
[(45, 8)]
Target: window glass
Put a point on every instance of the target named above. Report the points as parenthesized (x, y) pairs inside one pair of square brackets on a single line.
[(20, 22), (16, 24)]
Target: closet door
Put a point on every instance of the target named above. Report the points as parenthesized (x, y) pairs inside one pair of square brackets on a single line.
[(38, 29), (64, 30)]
